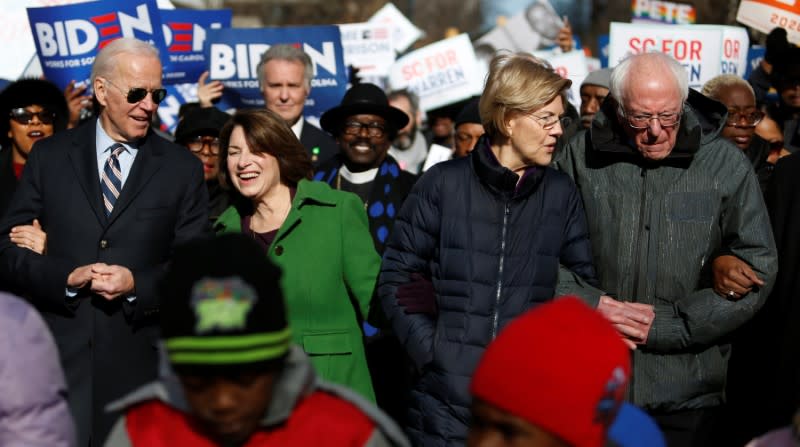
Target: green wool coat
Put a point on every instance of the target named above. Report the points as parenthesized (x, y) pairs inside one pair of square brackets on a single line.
[(329, 271)]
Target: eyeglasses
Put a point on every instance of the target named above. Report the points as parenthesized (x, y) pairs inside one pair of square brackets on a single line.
[(549, 121), (23, 116), (735, 119), (197, 143), (137, 94), (374, 130), (642, 120)]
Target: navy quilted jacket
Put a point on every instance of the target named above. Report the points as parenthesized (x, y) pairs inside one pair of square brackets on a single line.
[(492, 249)]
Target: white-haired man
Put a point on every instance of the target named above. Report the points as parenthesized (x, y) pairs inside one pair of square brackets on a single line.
[(663, 194), (285, 74)]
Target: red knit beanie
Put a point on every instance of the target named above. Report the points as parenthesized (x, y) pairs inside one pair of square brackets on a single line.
[(561, 367)]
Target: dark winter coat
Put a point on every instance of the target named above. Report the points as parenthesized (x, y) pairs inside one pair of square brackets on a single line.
[(492, 249)]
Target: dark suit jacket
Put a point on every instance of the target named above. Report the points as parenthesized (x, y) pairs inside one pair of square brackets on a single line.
[(107, 348), (8, 181), (311, 137)]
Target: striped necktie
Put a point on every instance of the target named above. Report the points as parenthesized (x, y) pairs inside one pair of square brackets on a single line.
[(111, 183)]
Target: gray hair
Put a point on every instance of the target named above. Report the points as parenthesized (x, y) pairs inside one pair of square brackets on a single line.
[(619, 76), (412, 98), (106, 59), (286, 52), (717, 83)]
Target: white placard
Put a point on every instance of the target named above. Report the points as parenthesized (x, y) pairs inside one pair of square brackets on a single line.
[(572, 66), (404, 33), (532, 29), (441, 73), (764, 15), (368, 46), (698, 48)]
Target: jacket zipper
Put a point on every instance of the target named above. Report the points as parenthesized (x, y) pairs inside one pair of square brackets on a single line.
[(636, 256), (495, 316)]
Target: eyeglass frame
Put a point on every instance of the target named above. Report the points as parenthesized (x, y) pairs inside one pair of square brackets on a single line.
[(371, 128), (651, 117), (40, 114), (739, 115), (563, 120), (134, 92), (203, 140)]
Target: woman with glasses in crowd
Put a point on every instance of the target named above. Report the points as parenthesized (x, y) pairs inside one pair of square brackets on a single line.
[(318, 237), (488, 232), (740, 128), (34, 110), (198, 130)]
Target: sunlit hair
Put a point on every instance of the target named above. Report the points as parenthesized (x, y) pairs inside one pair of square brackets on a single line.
[(266, 132), (519, 83), (663, 64), (107, 59), (285, 52), (717, 83)]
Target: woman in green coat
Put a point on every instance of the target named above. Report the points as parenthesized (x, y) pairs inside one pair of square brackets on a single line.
[(318, 236)]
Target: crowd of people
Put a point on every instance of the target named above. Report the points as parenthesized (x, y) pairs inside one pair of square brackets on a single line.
[(620, 273)]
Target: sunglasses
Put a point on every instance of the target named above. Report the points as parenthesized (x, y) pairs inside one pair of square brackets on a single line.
[(137, 94), (23, 116)]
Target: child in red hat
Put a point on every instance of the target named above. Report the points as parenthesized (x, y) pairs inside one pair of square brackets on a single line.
[(555, 377)]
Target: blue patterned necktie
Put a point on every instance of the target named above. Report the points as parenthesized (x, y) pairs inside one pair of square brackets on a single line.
[(111, 183)]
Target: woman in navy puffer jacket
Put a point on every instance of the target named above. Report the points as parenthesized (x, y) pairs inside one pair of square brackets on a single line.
[(490, 230)]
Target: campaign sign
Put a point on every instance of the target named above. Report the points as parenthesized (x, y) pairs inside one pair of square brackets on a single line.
[(178, 95), (764, 15), (441, 73), (602, 45), (655, 11), (233, 56), (185, 33), (755, 55), (534, 28), (735, 42), (68, 37), (698, 48), (404, 33), (573, 66), (368, 47)]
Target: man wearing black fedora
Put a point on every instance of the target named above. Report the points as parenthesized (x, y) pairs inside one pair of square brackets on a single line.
[(364, 126)]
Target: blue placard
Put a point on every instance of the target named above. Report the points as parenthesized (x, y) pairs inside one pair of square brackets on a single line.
[(754, 56), (178, 95), (233, 56), (185, 34), (602, 46), (68, 37)]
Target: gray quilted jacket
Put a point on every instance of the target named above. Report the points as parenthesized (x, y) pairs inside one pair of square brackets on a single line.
[(654, 229)]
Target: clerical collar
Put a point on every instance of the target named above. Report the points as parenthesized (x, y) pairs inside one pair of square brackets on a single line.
[(358, 178)]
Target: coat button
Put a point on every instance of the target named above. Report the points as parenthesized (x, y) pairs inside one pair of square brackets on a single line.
[(279, 250), (104, 244)]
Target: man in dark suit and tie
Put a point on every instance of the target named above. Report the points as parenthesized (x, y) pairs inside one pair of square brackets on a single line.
[(285, 74), (114, 199)]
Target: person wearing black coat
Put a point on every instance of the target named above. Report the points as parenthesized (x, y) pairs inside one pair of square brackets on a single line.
[(490, 230), (33, 109)]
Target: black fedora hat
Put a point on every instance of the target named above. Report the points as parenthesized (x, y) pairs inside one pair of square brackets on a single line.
[(363, 99)]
